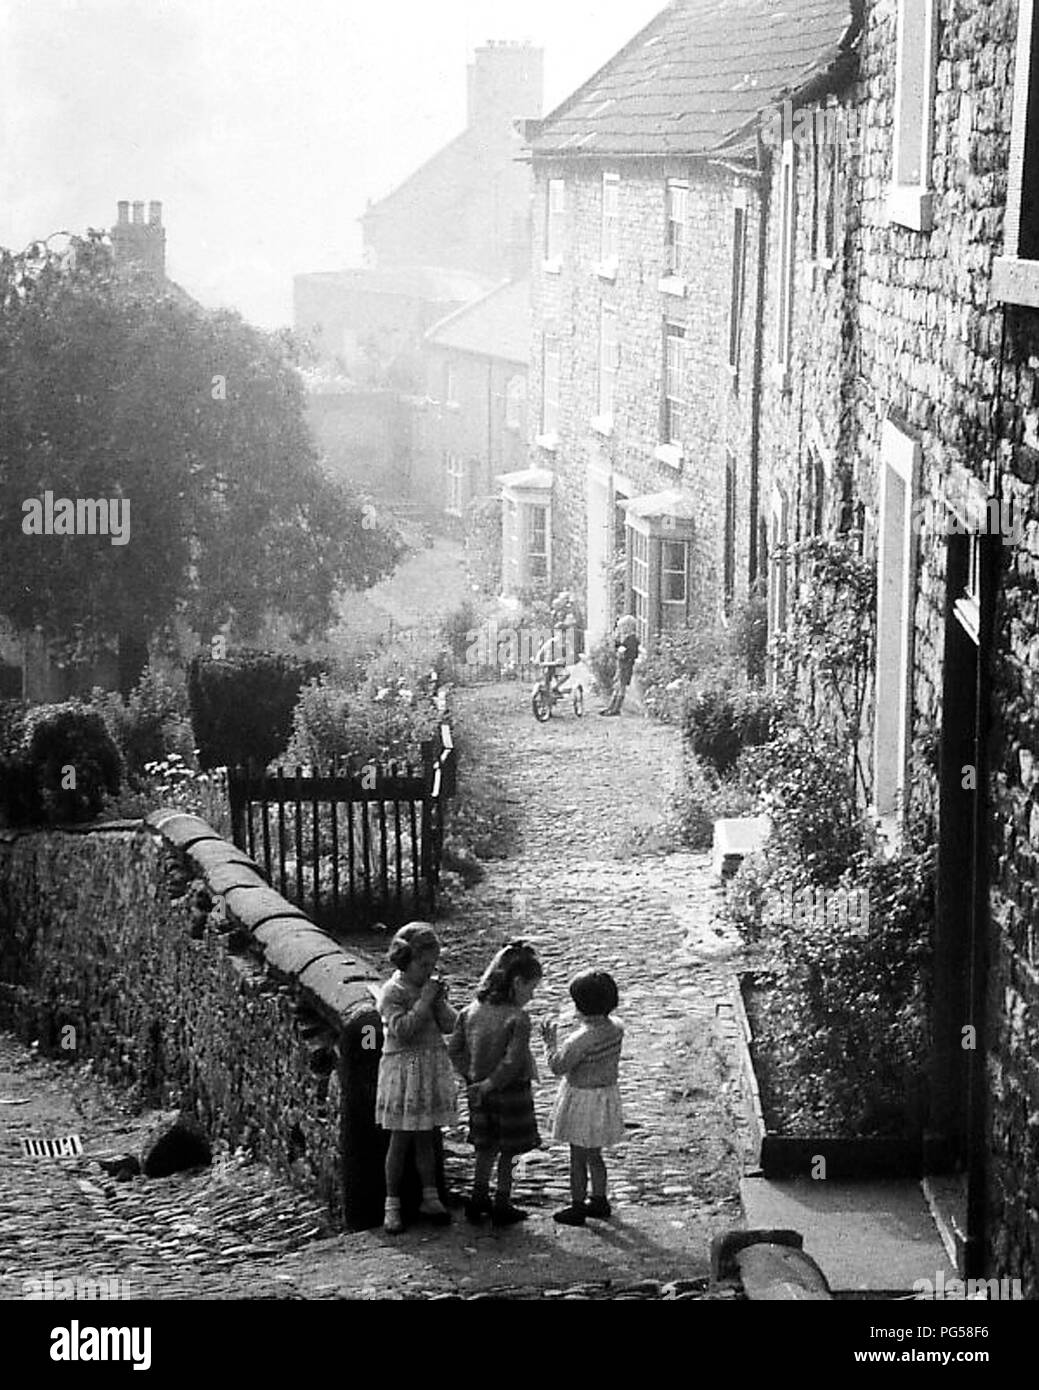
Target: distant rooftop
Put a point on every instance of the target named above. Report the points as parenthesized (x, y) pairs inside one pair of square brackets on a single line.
[(498, 325), (697, 77), (436, 284)]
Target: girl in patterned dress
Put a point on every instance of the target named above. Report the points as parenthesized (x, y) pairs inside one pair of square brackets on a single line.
[(490, 1049), (416, 1092), (587, 1113)]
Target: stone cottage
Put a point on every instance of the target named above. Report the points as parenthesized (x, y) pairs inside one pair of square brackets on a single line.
[(647, 362), (901, 328), (471, 425)]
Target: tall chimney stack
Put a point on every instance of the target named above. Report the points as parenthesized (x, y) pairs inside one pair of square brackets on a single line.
[(506, 81), (139, 247)]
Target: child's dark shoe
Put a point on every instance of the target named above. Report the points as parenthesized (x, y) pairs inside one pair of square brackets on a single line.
[(598, 1207), (505, 1214), (476, 1208), (436, 1213), (570, 1216)]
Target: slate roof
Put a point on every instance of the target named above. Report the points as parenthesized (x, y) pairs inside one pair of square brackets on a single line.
[(498, 325), (697, 77)]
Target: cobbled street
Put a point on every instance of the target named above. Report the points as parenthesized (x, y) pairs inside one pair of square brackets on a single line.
[(579, 890)]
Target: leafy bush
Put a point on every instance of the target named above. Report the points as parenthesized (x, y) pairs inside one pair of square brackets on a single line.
[(602, 659), (804, 785), (457, 627), (702, 799), (242, 707), (748, 636), (483, 543), (843, 1041), (150, 723), (719, 723), (675, 663), (389, 716), (60, 767)]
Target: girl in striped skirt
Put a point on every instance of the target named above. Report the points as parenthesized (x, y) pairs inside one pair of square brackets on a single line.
[(490, 1049)]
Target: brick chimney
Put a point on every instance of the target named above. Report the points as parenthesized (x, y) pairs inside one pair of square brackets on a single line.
[(138, 245), (506, 82)]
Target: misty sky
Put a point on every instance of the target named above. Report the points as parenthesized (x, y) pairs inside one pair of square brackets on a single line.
[(261, 125)]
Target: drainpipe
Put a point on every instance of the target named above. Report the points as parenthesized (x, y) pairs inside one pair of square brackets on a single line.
[(764, 169)]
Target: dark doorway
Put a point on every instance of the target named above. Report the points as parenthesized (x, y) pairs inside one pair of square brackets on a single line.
[(960, 779)]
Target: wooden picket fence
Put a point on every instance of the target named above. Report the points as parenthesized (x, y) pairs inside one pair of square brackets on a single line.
[(352, 842)]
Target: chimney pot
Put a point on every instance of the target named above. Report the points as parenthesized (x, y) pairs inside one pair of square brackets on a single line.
[(155, 214), (138, 213), (124, 211)]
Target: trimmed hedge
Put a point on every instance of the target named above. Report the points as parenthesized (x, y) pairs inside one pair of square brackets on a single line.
[(58, 764), (241, 707)]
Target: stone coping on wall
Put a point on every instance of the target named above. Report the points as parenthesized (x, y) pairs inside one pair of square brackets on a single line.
[(290, 944), (336, 983)]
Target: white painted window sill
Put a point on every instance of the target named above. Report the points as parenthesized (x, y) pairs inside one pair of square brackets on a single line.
[(780, 375), (553, 266), (911, 207), (548, 441), (1016, 281), (671, 454), (602, 424), (672, 284), (607, 270), (454, 406)]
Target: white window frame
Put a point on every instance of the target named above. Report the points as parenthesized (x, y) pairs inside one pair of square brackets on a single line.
[(666, 570), (729, 530), (515, 398), (609, 228), (532, 510), (1015, 276), (609, 367), (785, 264), (451, 401), (551, 374), (676, 243), (900, 459), (779, 526), (737, 287), (454, 469), (674, 405), (555, 224), (639, 578), (910, 200)]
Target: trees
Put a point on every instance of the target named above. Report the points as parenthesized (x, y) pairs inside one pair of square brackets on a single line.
[(114, 388)]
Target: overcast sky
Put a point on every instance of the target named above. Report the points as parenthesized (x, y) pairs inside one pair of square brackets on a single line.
[(261, 125)]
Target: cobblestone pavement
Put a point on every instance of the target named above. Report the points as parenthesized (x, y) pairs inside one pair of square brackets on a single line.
[(577, 890)]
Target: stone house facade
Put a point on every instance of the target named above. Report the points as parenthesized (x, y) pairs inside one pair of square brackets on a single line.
[(902, 404), (645, 359), (471, 425)]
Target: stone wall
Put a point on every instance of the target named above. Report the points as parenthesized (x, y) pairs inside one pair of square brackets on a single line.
[(910, 318), (187, 979), (718, 409)]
